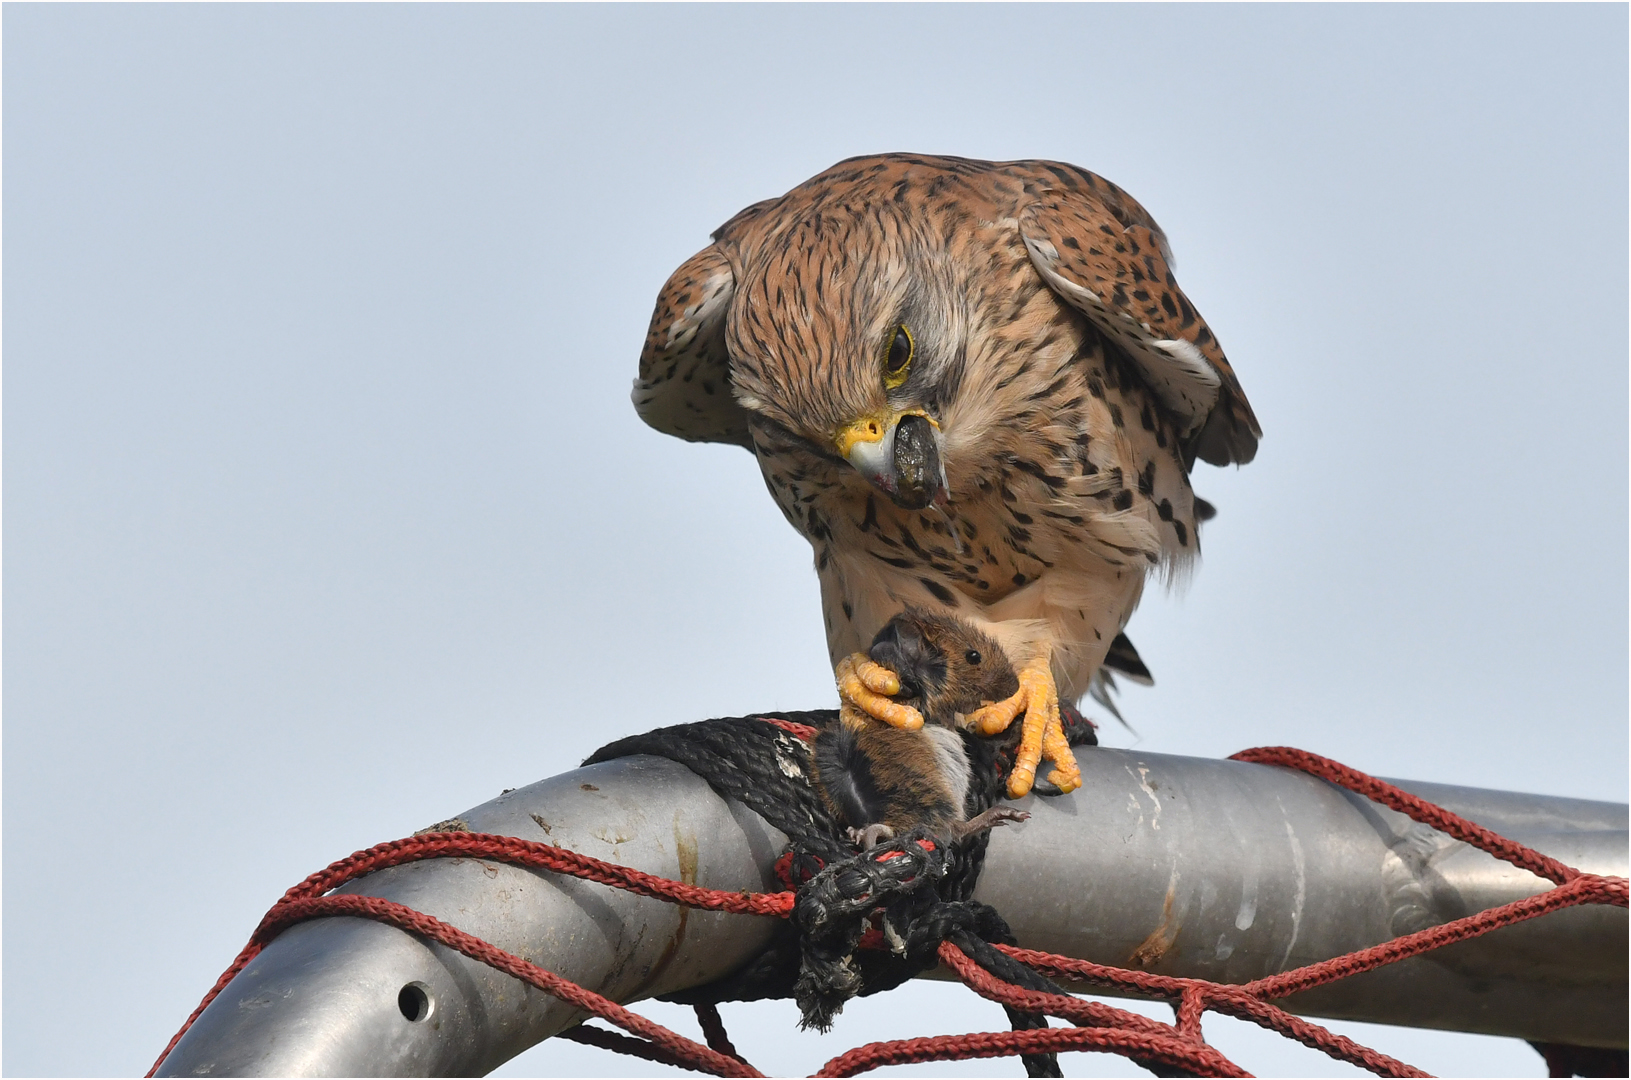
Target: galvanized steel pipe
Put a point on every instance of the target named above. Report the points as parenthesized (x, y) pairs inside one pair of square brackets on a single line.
[(1214, 869)]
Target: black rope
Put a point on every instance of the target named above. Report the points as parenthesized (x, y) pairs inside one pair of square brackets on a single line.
[(916, 890)]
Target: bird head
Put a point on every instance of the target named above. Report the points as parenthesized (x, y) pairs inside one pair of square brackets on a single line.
[(843, 333)]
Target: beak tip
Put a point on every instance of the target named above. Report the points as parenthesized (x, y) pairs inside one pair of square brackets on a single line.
[(904, 463)]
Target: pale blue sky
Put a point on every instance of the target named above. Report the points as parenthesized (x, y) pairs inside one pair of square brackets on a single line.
[(327, 515)]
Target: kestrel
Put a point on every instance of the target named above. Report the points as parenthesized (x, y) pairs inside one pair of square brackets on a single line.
[(976, 389)]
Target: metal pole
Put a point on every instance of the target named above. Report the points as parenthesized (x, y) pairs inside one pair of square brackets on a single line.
[(1214, 869)]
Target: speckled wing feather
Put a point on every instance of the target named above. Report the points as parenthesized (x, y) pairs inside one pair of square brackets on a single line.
[(1123, 658), (684, 387), (1115, 267)]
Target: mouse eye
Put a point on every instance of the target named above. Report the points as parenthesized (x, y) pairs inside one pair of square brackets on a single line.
[(972, 656)]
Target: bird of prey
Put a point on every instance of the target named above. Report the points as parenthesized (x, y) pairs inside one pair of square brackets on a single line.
[(976, 389)]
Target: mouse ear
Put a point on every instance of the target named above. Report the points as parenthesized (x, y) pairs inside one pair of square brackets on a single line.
[(902, 648), (889, 635), (904, 630)]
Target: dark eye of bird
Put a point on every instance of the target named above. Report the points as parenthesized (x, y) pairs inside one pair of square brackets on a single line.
[(898, 360), (972, 656)]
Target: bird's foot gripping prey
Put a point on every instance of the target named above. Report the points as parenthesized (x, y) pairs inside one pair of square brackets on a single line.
[(867, 687), (1042, 736), (882, 779)]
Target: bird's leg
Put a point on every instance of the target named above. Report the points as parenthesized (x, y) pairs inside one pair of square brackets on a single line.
[(1042, 734), (865, 686)]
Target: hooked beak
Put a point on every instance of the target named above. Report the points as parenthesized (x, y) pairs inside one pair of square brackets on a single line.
[(899, 456)]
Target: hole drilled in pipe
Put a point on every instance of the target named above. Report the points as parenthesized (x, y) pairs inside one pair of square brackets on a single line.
[(414, 1001)]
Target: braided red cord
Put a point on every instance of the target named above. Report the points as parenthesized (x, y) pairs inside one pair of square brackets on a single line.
[(1235, 1001), (507, 849), (713, 1029), (1169, 1051), (1190, 1006), (1100, 1027), (1412, 806), (621, 1044), (539, 856), (802, 731)]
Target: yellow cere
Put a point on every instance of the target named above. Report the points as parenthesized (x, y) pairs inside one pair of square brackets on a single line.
[(866, 429)]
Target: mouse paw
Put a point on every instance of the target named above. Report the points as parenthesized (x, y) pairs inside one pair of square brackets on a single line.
[(990, 819), (870, 837)]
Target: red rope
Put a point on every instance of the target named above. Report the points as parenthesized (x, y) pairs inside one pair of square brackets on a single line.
[(1412, 806), (1097, 1027), (713, 1029), (1235, 1001), (802, 731), (620, 1044), (1169, 1051), (507, 849)]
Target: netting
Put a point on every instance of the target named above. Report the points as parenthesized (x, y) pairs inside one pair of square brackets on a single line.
[(908, 901)]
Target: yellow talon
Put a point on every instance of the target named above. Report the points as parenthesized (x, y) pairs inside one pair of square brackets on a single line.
[(1042, 734), (864, 686)]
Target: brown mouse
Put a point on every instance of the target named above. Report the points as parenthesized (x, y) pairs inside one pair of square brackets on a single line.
[(880, 780)]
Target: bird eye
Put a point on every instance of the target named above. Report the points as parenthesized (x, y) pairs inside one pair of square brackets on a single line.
[(897, 362), (972, 656)]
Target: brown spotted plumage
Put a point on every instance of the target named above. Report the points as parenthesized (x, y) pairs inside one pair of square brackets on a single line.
[(975, 388)]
